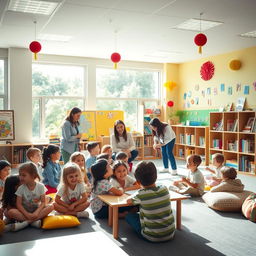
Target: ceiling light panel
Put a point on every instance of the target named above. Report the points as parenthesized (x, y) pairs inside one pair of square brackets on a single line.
[(33, 6), (251, 34), (197, 25)]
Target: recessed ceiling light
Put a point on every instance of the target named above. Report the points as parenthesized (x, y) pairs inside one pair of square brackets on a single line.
[(33, 6), (195, 24), (251, 34), (52, 37)]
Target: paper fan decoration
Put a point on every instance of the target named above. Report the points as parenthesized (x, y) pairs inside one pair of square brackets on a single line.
[(207, 70)]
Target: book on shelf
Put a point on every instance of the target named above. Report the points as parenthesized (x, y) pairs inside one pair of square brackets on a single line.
[(190, 139), (254, 126), (247, 146), (182, 138), (250, 125), (235, 125), (240, 104), (218, 126), (232, 145), (181, 152), (246, 164), (201, 141), (147, 129), (232, 125), (217, 143)]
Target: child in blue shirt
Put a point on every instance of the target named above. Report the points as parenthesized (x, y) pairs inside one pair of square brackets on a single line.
[(94, 149), (52, 169)]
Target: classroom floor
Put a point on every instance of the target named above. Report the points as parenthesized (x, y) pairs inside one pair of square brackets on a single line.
[(204, 232)]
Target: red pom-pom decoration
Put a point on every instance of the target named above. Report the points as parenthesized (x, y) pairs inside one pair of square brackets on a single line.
[(170, 103), (115, 57), (35, 47), (207, 70), (200, 40)]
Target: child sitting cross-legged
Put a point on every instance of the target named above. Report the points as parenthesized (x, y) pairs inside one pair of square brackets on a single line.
[(194, 183), (121, 179), (101, 172), (35, 155), (31, 201), (229, 181), (155, 221), (71, 197), (215, 177)]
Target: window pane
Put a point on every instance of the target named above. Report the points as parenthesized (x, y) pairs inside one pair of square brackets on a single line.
[(150, 104), (128, 106), (127, 83), (1, 103), (35, 118), (1, 77), (56, 111), (53, 80)]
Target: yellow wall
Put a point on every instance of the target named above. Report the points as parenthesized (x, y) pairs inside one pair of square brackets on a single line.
[(188, 75)]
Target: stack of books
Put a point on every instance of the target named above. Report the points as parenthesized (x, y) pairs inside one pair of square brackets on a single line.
[(54, 139), (232, 163)]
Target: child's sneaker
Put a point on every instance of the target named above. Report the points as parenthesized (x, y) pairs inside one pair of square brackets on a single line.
[(18, 225), (83, 214), (36, 224)]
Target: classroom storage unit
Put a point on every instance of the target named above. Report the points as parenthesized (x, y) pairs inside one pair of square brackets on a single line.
[(233, 134), (191, 140), (16, 153)]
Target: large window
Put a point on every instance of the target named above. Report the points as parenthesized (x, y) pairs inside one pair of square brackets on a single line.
[(126, 90), (3, 84), (55, 89)]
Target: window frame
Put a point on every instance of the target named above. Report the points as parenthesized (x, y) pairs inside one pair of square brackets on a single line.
[(6, 91)]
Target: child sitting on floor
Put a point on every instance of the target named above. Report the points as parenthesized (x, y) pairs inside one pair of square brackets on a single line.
[(71, 198), (35, 155), (194, 183), (5, 170), (52, 169), (30, 203), (229, 182), (218, 163), (101, 172), (155, 222), (121, 179), (93, 149)]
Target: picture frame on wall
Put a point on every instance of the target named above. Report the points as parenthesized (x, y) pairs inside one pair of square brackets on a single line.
[(7, 131)]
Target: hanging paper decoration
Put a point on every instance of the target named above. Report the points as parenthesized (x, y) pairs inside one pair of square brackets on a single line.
[(169, 85), (207, 70), (200, 40), (115, 57), (35, 47), (170, 103), (235, 64)]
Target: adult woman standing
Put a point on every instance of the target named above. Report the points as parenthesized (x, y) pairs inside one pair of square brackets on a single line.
[(70, 134), (164, 138), (122, 140)]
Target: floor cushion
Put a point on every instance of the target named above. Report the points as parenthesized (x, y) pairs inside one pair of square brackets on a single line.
[(60, 221), (226, 201), (249, 207)]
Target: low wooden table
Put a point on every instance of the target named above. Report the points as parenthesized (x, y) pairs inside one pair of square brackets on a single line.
[(114, 202)]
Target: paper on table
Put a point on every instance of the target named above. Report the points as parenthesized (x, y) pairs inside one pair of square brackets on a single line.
[(131, 192)]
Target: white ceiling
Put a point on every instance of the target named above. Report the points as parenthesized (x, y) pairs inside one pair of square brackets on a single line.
[(144, 28)]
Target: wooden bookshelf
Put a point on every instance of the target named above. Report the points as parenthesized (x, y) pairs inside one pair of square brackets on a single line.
[(191, 140), (16, 153), (233, 141)]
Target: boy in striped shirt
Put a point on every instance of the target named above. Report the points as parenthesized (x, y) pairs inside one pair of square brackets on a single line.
[(155, 221)]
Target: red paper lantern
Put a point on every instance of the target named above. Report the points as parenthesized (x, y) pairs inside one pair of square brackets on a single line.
[(170, 103), (200, 40), (115, 57), (35, 47)]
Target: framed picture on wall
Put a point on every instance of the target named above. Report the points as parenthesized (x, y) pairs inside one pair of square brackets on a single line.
[(7, 125)]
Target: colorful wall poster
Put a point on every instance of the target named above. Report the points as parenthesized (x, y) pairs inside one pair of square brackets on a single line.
[(222, 87), (246, 89)]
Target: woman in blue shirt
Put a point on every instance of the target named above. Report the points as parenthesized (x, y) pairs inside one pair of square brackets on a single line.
[(70, 134)]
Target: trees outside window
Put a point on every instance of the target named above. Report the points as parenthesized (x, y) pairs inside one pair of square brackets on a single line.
[(3, 84)]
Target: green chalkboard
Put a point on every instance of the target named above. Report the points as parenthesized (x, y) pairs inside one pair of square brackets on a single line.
[(196, 117)]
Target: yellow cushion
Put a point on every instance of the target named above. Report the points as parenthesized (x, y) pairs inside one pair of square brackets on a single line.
[(60, 221)]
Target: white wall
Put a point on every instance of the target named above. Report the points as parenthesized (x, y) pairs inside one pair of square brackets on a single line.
[(20, 92)]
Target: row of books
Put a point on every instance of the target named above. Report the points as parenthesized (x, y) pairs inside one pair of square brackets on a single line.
[(19, 155), (232, 125), (201, 141), (148, 141), (247, 146), (190, 139), (137, 142), (247, 165), (217, 143)]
